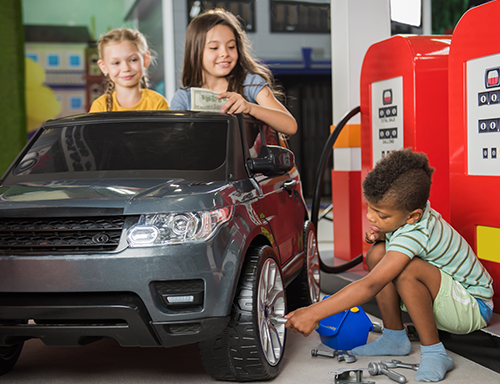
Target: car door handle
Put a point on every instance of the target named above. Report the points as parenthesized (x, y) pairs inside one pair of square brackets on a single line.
[(288, 185)]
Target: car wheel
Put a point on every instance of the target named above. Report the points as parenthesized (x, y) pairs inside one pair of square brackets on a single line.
[(305, 289), (251, 347), (9, 356)]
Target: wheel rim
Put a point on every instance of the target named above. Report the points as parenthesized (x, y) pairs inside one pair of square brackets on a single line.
[(271, 304), (313, 271)]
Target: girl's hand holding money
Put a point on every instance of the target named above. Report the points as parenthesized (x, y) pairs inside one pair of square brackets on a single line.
[(268, 110), (236, 103)]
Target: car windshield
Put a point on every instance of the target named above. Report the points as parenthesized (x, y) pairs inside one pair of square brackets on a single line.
[(130, 146)]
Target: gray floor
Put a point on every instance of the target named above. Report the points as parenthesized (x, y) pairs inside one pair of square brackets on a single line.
[(106, 362)]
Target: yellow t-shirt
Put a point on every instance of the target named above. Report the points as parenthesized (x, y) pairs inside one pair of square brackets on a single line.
[(150, 101)]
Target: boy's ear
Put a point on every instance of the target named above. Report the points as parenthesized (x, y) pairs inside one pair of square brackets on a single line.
[(147, 59), (415, 216), (101, 65)]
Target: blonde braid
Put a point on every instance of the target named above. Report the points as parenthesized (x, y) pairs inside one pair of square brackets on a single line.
[(109, 94)]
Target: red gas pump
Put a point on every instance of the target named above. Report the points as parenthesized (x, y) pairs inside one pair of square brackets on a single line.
[(404, 103), (474, 82)]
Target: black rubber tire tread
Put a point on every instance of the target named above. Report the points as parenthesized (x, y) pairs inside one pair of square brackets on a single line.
[(236, 354), (298, 290), (9, 356)]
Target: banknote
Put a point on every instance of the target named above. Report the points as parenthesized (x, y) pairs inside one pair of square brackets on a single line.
[(206, 100)]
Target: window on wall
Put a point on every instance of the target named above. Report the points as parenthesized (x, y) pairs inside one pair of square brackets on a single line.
[(75, 102), (53, 60), (75, 61), (243, 9), (300, 16), (32, 56)]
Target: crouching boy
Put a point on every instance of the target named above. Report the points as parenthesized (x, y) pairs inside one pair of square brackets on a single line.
[(417, 263)]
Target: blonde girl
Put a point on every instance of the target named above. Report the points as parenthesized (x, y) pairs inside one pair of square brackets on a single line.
[(124, 59), (217, 57)]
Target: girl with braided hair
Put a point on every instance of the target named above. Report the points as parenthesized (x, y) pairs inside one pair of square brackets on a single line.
[(418, 263), (124, 59)]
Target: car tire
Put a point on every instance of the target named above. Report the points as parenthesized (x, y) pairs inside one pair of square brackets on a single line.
[(9, 356), (251, 347), (305, 289)]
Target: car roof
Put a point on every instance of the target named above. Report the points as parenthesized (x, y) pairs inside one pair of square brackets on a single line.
[(106, 117)]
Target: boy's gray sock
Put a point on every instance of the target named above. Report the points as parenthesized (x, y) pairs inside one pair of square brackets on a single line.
[(391, 343), (434, 363)]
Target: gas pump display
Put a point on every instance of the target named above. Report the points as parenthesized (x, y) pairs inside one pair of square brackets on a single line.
[(474, 136), (483, 116), (387, 117)]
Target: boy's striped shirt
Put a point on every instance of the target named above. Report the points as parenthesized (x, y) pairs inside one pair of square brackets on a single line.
[(437, 242)]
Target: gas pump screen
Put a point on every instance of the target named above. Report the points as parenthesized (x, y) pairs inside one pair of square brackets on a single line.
[(483, 116), (387, 116)]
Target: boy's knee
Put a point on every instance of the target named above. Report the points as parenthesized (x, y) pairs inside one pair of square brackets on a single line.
[(375, 254), (418, 270)]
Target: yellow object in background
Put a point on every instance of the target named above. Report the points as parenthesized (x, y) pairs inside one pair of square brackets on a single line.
[(41, 103), (487, 243)]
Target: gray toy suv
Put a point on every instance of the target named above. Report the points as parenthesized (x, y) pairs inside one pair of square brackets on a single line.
[(156, 229)]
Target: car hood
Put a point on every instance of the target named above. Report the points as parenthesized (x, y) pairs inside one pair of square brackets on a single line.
[(134, 196)]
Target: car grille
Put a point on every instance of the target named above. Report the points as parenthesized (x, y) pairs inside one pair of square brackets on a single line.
[(61, 234)]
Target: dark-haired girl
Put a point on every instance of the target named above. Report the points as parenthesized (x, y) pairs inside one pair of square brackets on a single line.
[(217, 58)]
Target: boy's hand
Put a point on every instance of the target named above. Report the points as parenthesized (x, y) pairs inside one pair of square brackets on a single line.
[(301, 321), (236, 103), (372, 237)]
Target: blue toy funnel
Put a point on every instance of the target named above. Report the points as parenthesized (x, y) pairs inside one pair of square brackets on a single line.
[(345, 330)]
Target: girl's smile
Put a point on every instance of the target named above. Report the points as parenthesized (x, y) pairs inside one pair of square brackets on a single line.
[(224, 64)]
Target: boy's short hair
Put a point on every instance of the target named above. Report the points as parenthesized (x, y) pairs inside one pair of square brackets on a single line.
[(403, 177)]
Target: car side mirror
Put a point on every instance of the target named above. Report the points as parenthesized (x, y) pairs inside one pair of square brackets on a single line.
[(272, 160)]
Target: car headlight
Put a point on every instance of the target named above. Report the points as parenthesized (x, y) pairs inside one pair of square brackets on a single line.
[(176, 228)]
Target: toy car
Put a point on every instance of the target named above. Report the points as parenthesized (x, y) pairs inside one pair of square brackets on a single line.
[(156, 229)]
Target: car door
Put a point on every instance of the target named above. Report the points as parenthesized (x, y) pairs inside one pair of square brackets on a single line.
[(281, 204)]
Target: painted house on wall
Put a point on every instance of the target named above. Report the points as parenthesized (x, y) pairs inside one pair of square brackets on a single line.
[(61, 51)]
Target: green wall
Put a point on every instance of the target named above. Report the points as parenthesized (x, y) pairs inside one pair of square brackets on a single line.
[(108, 14), (446, 14), (12, 103)]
